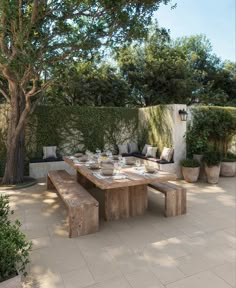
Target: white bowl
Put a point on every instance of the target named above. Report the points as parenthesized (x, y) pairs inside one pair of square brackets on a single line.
[(150, 169), (94, 165), (107, 171)]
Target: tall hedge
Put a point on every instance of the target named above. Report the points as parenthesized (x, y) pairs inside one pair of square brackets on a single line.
[(73, 128), (211, 128)]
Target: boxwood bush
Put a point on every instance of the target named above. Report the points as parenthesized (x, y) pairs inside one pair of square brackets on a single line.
[(14, 247), (190, 163), (212, 158)]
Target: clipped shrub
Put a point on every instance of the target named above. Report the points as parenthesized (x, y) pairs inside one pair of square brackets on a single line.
[(189, 163), (14, 247), (229, 157), (211, 158)]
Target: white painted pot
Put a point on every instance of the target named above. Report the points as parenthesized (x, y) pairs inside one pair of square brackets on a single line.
[(191, 174), (212, 174), (228, 169), (14, 282)]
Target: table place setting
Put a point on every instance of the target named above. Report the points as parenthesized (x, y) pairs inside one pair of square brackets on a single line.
[(146, 171), (120, 176)]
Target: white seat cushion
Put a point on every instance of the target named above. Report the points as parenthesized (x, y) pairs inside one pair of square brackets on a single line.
[(123, 148), (151, 152), (133, 147), (144, 152), (167, 154)]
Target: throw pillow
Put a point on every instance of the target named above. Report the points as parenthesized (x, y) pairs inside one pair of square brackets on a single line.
[(144, 152), (167, 154), (123, 149), (151, 152), (49, 152), (133, 147)]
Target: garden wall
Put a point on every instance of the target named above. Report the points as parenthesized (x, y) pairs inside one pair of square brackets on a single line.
[(162, 126)]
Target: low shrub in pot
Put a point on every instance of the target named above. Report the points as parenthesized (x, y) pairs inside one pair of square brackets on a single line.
[(190, 170), (212, 161), (228, 165)]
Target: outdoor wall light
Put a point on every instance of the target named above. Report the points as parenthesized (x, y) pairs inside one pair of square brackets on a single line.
[(183, 114)]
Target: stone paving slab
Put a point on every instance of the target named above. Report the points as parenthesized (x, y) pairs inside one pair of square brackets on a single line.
[(193, 250)]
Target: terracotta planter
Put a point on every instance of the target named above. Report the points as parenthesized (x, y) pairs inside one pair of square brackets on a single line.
[(212, 174), (14, 282), (202, 174), (191, 174), (228, 169)]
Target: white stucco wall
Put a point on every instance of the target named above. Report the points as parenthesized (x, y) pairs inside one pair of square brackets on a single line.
[(40, 170), (178, 132)]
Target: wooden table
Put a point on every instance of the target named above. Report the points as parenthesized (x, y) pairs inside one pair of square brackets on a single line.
[(122, 198)]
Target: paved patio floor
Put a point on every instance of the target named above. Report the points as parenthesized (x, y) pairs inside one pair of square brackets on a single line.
[(190, 251)]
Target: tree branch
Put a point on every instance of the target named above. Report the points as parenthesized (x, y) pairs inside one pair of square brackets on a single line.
[(5, 95)]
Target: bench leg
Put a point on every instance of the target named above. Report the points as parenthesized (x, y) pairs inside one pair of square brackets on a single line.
[(50, 185), (182, 202), (83, 220), (170, 204), (175, 203)]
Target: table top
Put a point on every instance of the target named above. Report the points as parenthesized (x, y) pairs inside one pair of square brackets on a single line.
[(129, 176)]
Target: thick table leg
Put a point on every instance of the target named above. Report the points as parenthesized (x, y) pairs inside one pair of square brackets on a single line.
[(125, 202), (138, 200), (116, 203)]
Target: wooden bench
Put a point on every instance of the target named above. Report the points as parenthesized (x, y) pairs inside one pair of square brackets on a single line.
[(175, 198), (83, 208)]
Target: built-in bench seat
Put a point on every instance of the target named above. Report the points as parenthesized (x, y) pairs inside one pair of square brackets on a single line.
[(83, 208), (142, 156), (175, 198)]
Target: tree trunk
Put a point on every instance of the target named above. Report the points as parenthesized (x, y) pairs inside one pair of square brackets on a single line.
[(14, 168)]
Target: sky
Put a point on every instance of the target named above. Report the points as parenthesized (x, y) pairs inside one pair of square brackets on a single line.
[(214, 18)]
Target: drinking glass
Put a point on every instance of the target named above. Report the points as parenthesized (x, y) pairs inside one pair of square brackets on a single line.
[(138, 163), (117, 167)]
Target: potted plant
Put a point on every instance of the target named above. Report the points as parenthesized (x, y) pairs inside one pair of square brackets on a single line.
[(212, 161), (197, 144), (228, 165), (190, 170), (14, 248)]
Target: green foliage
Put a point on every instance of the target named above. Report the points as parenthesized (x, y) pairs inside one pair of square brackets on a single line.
[(211, 158), (88, 84), (4, 209), (155, 126), (157, 72), (189, 163), (211, 127), (196, 141), (14, 247), (46, 34), (229, 157), (185, 71), (88, 127)]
